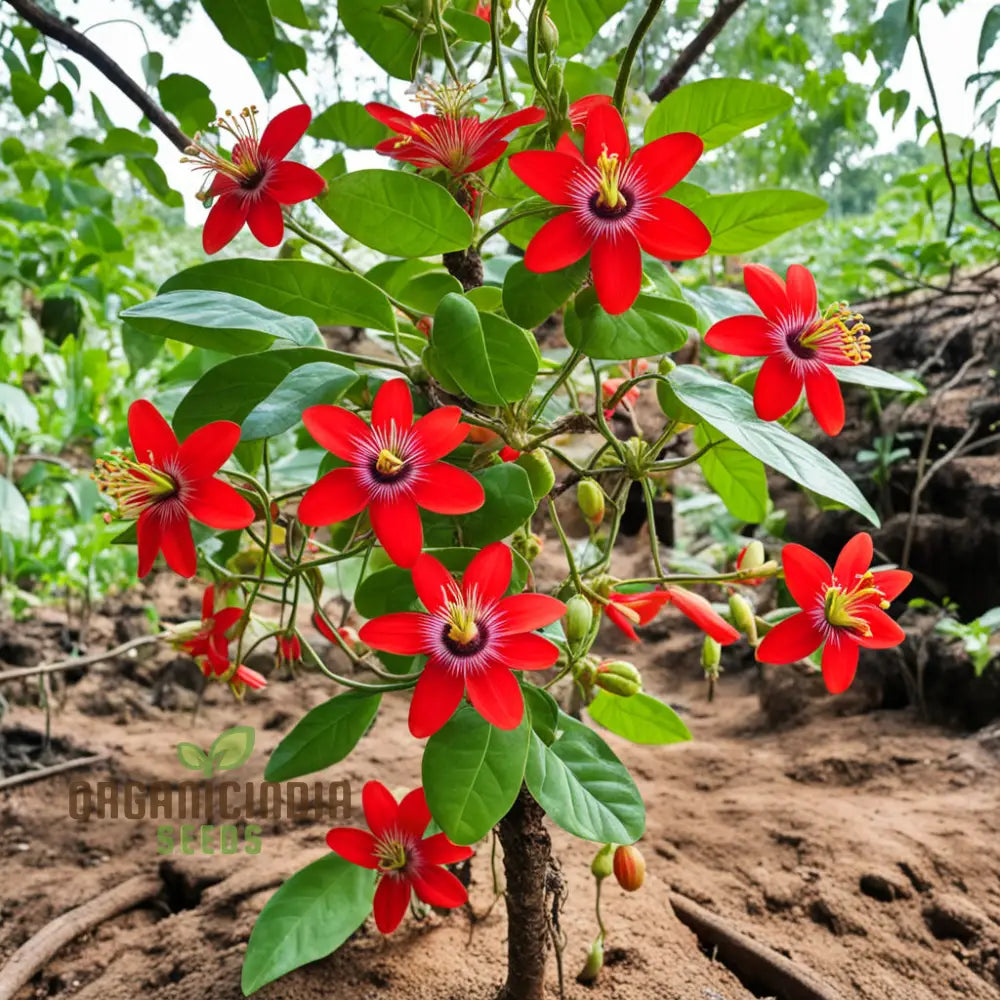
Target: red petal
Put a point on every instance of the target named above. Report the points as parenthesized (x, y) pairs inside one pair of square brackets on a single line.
[(619, 620), (529, 652), (605, 131), (266, 221), (488, 154), (840, 663), (401, 632), (801, 289), (244, 675), (438, 887), (413, 813), (548, 174), (854, 559), (432, 581), (392, 897), (777, 389), (381, 810), (700, 611), (218, 505), (338, 430), (284, 131), (496, 696), (503, 126), (439, 432), (208, 603), (665, 161), (439, 850), (646, 605), (579, 111), (560, 242), (221, 184), (225, 220), (147, 532), (526, 612), (336, 497), (617, 270), (444, 489), (489, 573), (435, 699), (825, 400), (291, 182), (885, 632), (673, 232), (766, 289), (892, 582), (744, 336), (567, 146), (225, 619), (206, 450), (153, 441), (356, 846), (398, 121), (790, 640), (393, 404), (177, 546), (806, 574), (397, 526)]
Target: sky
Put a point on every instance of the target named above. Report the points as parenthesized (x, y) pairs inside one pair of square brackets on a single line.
[(201, 52)]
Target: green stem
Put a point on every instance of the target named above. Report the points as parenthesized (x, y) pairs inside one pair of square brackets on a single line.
[(564, 373), (496, 59), (534, 26), (625, 70), (507, 220), (349, 681), (567, 549), (445, 47), (654, 541)]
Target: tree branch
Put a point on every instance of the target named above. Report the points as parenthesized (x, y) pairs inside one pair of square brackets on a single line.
[(695, 49), (54, 27)]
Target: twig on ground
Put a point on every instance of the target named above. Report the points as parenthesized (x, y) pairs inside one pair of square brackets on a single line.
[(78, 661), (25, 777)]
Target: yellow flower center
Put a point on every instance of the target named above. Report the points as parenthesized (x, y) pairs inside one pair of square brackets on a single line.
[(845, 328), (391, 855), (843, 607), (243, 165), (462, 625), (134, 486), (388, 463), (608, 193)]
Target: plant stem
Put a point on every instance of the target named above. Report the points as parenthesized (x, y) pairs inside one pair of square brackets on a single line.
[(564, 373), (496, 50), (445, 47), (507, 220), (654, 541), (625, 70)]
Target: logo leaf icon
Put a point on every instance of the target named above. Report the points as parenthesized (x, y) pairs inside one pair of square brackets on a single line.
[(192, 757), (232, 748)]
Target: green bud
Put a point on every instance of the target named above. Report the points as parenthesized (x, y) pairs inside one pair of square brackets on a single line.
[(594, 964), (585, 672), (752, 557), (619, 677), (590, 498), (540, 472), (603, 864), (578, 620), (711, 656), (666, 366), (528, 545), (554, 79), (743, 617), (548, 37)]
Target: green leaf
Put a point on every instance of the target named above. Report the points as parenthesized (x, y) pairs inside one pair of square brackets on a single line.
[(291, 12), (989, 32), (152, 177), (529, 299), (324, 736), (17, 409), (717, 109), (738, 477), (264, 393), (403, 215), (26, 92), (472, 773), (191, 756), (508, 505), (730, 411), (876, 378), (152, 67), (246, 26), (640, 718), (742, 222), (543, 711), (579, 21), (390, 43), (188, 100), (219, 321), (638, 332), (100, 232), (231, 748), (425, 292), (326, 295), (583, 787), (14, 513), (349, 123), (309, 917)]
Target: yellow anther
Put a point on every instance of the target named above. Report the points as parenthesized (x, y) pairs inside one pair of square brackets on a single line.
[(388, 463), (391, 855), (608, 193), (463, 629)]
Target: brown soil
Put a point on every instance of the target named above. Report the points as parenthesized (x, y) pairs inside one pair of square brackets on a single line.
[(863, 846)]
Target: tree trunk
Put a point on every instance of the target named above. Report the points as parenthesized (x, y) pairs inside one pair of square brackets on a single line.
[(526, 853)]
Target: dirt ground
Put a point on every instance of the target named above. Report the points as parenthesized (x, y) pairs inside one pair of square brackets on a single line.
[(862, 846)]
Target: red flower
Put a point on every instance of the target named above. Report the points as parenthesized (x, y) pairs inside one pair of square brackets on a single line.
[(508, 454), (843, 608), (394, 469), (348, 634), (474, 637), (579, 111), (483, 10), (167, 483), (610, 386), (452, 139), (289, 648), (615, 205), (800, 344), (394, 845), (253, 184), (424, 325), (628, 610)]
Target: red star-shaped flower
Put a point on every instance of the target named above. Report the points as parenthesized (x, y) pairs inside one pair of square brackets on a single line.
[(614, 202), (628, 610), (843, 610)]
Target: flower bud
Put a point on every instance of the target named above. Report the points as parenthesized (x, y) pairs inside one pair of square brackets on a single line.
[(548, 37), (590, 498), (602, 866), (743, 616), (540, 473), (585, 672), (528, 545), (595, 962), (619, 677), (752, 556), (578, 620), (711, 656), (630, 868)]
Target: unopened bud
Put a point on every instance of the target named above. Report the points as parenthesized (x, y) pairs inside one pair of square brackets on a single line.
[(578, 620), (585, 672), (540, 473), (619, 677), (752, 557), (666, 366), (548, 37), (590, 498), (595, 962), (711, 656), (743, 617), (603, 866), (630, 867), (528, 545)]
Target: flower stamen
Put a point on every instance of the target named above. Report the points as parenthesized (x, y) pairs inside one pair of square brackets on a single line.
[(462, 629), (388, 463), (244, 165), (842, 329), (391, 855), (134, 486), (609, 195), (843, 608)]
